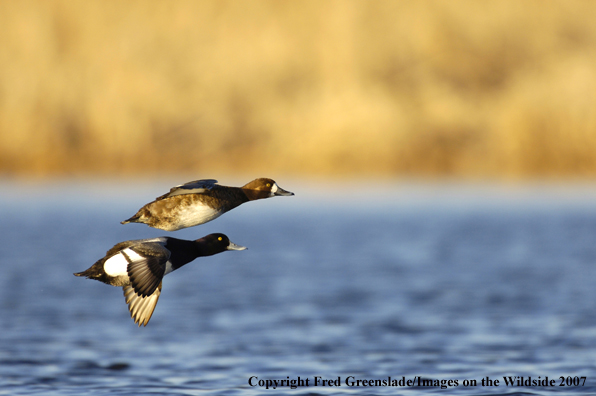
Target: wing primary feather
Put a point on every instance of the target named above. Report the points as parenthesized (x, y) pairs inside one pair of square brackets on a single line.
[(141, 307)]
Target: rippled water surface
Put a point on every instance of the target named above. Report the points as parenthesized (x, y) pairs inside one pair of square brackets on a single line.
[(433, 282)]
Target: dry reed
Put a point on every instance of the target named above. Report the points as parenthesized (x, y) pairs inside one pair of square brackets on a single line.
[(417, 88)]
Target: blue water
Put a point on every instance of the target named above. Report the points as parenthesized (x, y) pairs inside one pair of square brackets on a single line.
[(433, 282)]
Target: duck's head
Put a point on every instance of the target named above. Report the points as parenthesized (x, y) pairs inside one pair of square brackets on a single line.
[(267, 187), (217, 243)]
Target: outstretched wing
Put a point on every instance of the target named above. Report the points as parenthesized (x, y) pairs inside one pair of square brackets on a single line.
[(141, 308), (146, 266), (193, 187)]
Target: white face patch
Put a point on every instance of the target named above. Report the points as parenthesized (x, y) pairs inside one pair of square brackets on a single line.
[(273, 189), (117, 264)]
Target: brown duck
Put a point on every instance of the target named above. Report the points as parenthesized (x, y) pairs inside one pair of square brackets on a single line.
[(200, 201)]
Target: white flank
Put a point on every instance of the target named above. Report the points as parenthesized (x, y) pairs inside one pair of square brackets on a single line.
[(117, 264)]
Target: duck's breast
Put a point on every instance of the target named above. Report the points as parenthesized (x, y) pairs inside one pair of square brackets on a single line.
[(194, 214)]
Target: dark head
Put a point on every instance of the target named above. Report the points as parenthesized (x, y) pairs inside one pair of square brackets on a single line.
[(264, 188), (216, 243)]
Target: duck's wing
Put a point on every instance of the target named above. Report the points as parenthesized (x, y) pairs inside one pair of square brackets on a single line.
[(146, 266), (141, 308), (193, 187)]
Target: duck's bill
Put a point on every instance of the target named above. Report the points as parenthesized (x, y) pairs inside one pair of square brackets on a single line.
[(233, 246), (281, 192)]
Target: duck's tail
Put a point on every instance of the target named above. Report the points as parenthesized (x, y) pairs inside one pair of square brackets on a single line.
[(133, 219), (93, 272), (89, 273)]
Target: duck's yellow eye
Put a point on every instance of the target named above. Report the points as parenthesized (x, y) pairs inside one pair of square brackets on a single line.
[(268, 184), (220, 238)]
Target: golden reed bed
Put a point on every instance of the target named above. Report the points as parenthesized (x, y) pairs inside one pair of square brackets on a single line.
[(407, 88)]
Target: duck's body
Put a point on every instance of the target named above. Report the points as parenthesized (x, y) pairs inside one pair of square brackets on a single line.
[(138, 266), (200, 201)]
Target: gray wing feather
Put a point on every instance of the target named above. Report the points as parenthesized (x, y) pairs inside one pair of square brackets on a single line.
[(193, 187), (141, 308)]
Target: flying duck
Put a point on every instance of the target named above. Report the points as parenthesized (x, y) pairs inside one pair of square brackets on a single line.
[(200, 201), (138, 266)]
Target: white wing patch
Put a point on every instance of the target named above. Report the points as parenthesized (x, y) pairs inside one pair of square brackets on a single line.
[(169, 268), (117, 264)]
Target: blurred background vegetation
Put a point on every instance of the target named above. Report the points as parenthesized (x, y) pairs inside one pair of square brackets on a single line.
[(471, 89)]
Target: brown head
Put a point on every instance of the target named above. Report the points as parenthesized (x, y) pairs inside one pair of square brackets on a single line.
[(263, 188)]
